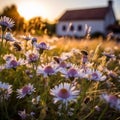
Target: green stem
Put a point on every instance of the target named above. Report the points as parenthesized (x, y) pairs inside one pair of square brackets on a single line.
[(88, 115), (1, 45), (6, 43), (5, 107), (2, 38), (64, 110), (103, 112), (26, 45)]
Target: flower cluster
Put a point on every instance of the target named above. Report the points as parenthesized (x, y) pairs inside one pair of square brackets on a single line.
[(39, 82), (113, 100), (11, 61), (5, 90)]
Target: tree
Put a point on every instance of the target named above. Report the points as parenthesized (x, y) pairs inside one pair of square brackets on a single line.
[(13, 13), (40, 26)]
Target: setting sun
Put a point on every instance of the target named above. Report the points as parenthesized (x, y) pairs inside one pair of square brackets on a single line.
[(31, 9)]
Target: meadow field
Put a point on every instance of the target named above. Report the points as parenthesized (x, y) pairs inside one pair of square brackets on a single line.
[(51, 78)]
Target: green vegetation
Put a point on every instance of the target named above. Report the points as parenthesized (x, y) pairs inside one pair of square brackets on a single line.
[(50, 78)]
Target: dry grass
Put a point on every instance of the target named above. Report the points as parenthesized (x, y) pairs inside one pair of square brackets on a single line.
[(69, 43)]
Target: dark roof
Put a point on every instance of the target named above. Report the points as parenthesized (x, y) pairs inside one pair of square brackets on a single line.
[(85, 14)]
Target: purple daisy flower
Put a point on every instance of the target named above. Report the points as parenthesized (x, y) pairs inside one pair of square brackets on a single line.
[(64, 92), (47, 70), (32, 56), (25, 90), (5, 90), (6, 22)]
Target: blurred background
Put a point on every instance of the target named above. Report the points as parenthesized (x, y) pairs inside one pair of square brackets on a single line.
[(40, 17)]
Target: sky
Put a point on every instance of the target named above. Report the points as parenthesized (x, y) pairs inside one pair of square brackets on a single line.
[(53, 9)]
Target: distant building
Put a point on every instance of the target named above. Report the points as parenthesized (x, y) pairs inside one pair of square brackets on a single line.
[(72, 22)]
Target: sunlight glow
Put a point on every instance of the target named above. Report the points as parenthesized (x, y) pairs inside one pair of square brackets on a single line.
[(31, 9)]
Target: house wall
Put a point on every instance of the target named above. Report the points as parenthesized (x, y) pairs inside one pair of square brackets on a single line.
[(96, 25), (110, 18)]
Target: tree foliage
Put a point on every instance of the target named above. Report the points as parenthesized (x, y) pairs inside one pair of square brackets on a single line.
[(39, 26), (11, 11), (35, 25)]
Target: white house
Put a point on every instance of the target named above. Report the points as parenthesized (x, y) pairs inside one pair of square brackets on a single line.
[(72, 22)]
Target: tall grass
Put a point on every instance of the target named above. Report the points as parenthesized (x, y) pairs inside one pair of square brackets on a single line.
[(59, 79)]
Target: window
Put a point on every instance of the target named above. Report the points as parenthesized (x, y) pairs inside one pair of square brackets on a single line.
[(64, 28), (71, 28), (79, 27)]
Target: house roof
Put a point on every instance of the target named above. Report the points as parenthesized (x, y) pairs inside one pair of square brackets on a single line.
[(85, 14)]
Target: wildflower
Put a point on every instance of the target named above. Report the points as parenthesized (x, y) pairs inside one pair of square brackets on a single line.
[(34, 40), (27, 37), (61, 63), (25, 90), (22, 114), (6, 22), (112, 100), (84, 72), (71, 73), (112, 74), (64, 64), (32, 56), (109, 55), (28, 72), (75, 51), (32, 114), (64, 92), (36, 100), (84, 57), (69, 111), (25, 115), (13, 63), (47, 70), (66, 55), (41, 47), (5, 90), (8, 57), (96, 75), (9, 37)]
